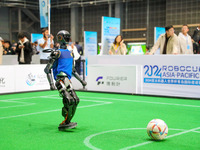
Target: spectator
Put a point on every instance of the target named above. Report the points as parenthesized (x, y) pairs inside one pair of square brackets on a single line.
[(14, 47), (7, 48), (1, 40), (74, 50), (35, 48), (196, 39), (185, 41), (167, 42), (118, 47), (24, 49), (45, 43), (78, 61)]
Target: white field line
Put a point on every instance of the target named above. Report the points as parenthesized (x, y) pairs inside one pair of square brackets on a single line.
[(89, 145), (87, 139), (80, 99), (145, 143), (26, 98), (24, 104), (140, 101), (41, 112), (18, 105), (114, 99)]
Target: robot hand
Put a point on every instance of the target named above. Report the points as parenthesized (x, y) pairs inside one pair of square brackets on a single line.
[(84, 83)]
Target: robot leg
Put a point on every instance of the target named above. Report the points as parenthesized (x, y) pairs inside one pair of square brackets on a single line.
[(63, 86), (76, 99)]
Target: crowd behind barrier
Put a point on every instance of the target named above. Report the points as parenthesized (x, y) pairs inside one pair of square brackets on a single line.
[(169, 43)]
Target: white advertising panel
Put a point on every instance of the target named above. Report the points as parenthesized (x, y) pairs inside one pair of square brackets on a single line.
[(171, 79), (7, 79), (165, 75), (30, 78), (112, 78)]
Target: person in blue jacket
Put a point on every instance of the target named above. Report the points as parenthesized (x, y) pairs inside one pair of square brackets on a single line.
[(61, 62)]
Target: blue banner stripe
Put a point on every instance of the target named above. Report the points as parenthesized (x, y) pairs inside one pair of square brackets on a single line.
[(172, 81)]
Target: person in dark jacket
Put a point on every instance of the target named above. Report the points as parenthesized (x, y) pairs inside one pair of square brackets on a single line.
[(7, 48), (196, 40), (24, 49), (78, 62)]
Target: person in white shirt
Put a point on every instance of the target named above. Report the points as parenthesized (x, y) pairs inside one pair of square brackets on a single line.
[(45, 43), (185, 41), (74, 51)]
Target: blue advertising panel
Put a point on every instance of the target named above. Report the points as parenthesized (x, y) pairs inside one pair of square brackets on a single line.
[(172, 74), (44, 13), (35, 37), (110, 29), (90, 43), (157, 32)]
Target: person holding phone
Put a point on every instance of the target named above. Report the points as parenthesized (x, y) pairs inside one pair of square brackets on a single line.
[(118, 47), (24, 49), (45, 43)]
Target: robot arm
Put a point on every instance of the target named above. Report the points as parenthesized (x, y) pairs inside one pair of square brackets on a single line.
[(76, 75), (54, 55)]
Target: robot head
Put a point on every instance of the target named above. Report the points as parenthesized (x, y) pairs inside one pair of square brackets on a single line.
[(63, 37)]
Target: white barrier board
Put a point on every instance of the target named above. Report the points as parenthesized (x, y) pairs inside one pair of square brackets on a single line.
[(31, 78), (7, 79), (112, 78), (164, 75), (21, 78)]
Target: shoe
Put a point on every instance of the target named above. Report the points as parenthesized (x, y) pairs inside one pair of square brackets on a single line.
[(64, 126)]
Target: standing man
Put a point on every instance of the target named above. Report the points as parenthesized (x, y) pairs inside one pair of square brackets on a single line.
[(24, 49), (45, 43), (196, 40), (78, 61), (185, 41), (168, 42)]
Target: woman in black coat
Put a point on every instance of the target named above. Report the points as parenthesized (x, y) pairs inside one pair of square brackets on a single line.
[(24, 49)]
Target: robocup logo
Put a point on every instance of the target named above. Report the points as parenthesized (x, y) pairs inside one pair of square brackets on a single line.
[(169, 74), (111, 81), (31, 80), (2, 82)]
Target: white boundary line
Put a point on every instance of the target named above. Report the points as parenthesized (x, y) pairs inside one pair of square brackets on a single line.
[(140, 101), (8, 101), (89, 145), (26, 98), (41, 112), (18, 105), (114, 99), (141, 144)]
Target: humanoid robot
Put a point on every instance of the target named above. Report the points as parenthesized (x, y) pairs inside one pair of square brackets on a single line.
[(61, 62)]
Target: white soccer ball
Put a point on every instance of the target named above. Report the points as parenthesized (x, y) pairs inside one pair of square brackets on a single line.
[(157, 129)]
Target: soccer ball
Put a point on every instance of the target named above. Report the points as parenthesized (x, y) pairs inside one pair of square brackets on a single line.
[(157, 129)]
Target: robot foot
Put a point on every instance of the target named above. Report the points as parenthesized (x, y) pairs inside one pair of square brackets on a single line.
[(64, 126)]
